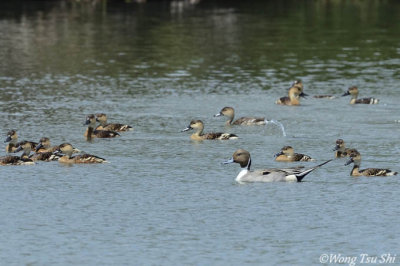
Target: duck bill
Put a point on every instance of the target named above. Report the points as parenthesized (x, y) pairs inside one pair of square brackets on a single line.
[(38, 147), (8, 139), (349, 161), (18, 149), (278, 154), (302, 94), (186, 129), (217, 115), (346, 93), (87, 122), (228, 161), (336, 148)]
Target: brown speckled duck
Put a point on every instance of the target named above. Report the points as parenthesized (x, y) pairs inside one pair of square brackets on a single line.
[(198, 134), (102, 119), (243, 121), (68, 149), (287, 154), (353, 91), (355, 158), (293, 98), (91, 132)]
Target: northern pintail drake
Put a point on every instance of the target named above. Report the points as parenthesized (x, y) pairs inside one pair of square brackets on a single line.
[(19, 160), (353, 91), (340, 149), (287, 154), (68, 149), (198, 134), (102, 119), (229, 112), (355, 158), (45, 146), (242, 157), (91, 132), (294, 97), (13, 144)]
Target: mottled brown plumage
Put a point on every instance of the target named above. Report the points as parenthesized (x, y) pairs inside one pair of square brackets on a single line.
[(198, 135), (355, 158), (102, 119), (287, 154), (353, 91), (243, 121), (68, 149), (91, 132)]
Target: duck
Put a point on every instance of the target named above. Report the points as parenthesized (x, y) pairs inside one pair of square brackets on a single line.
[(294, 174), (355, 158), (243, 121), (340, 149), (27, 147), (353, 91), (45, 146), (67, 149), (13, 144), (102, 119), (198, 134), (91, 132), (294, 94), (287, 154), (19, 160)]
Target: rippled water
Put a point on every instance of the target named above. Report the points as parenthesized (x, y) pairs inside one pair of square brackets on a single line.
[(164, 199)]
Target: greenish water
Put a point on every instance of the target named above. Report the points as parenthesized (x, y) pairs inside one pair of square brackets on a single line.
[(164, 199)]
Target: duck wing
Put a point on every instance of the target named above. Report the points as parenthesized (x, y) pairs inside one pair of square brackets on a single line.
[(250, 121), (367, 101), (105, 133), (377, 172)]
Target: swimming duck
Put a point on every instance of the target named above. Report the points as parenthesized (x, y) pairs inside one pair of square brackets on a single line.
[(294, 97), (68, 149), (91, 132), (19, 160), (355, 158), (27, 147), (353, 91), (198, 135), (243, 121), (12, 138), (102, 119), (287, 154), (340, 149), (243, 158)]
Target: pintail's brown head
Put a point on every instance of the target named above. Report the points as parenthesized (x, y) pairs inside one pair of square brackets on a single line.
[(241, 157)]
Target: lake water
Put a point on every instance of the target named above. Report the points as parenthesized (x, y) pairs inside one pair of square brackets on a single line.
[(164, 199)]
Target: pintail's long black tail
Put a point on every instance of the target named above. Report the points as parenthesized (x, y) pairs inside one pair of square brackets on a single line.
[(301, 175)]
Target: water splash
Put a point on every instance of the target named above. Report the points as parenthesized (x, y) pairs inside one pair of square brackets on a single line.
[(273, 121)]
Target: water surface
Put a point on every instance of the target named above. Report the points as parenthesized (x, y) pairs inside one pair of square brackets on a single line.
[(164, 199)]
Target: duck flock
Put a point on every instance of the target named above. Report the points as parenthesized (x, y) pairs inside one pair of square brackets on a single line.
[(97, 127)]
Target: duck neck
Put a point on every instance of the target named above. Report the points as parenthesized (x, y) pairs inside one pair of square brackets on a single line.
[(25, 154), (294, 99), (89, 132), (353, 98), (356, 170)]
